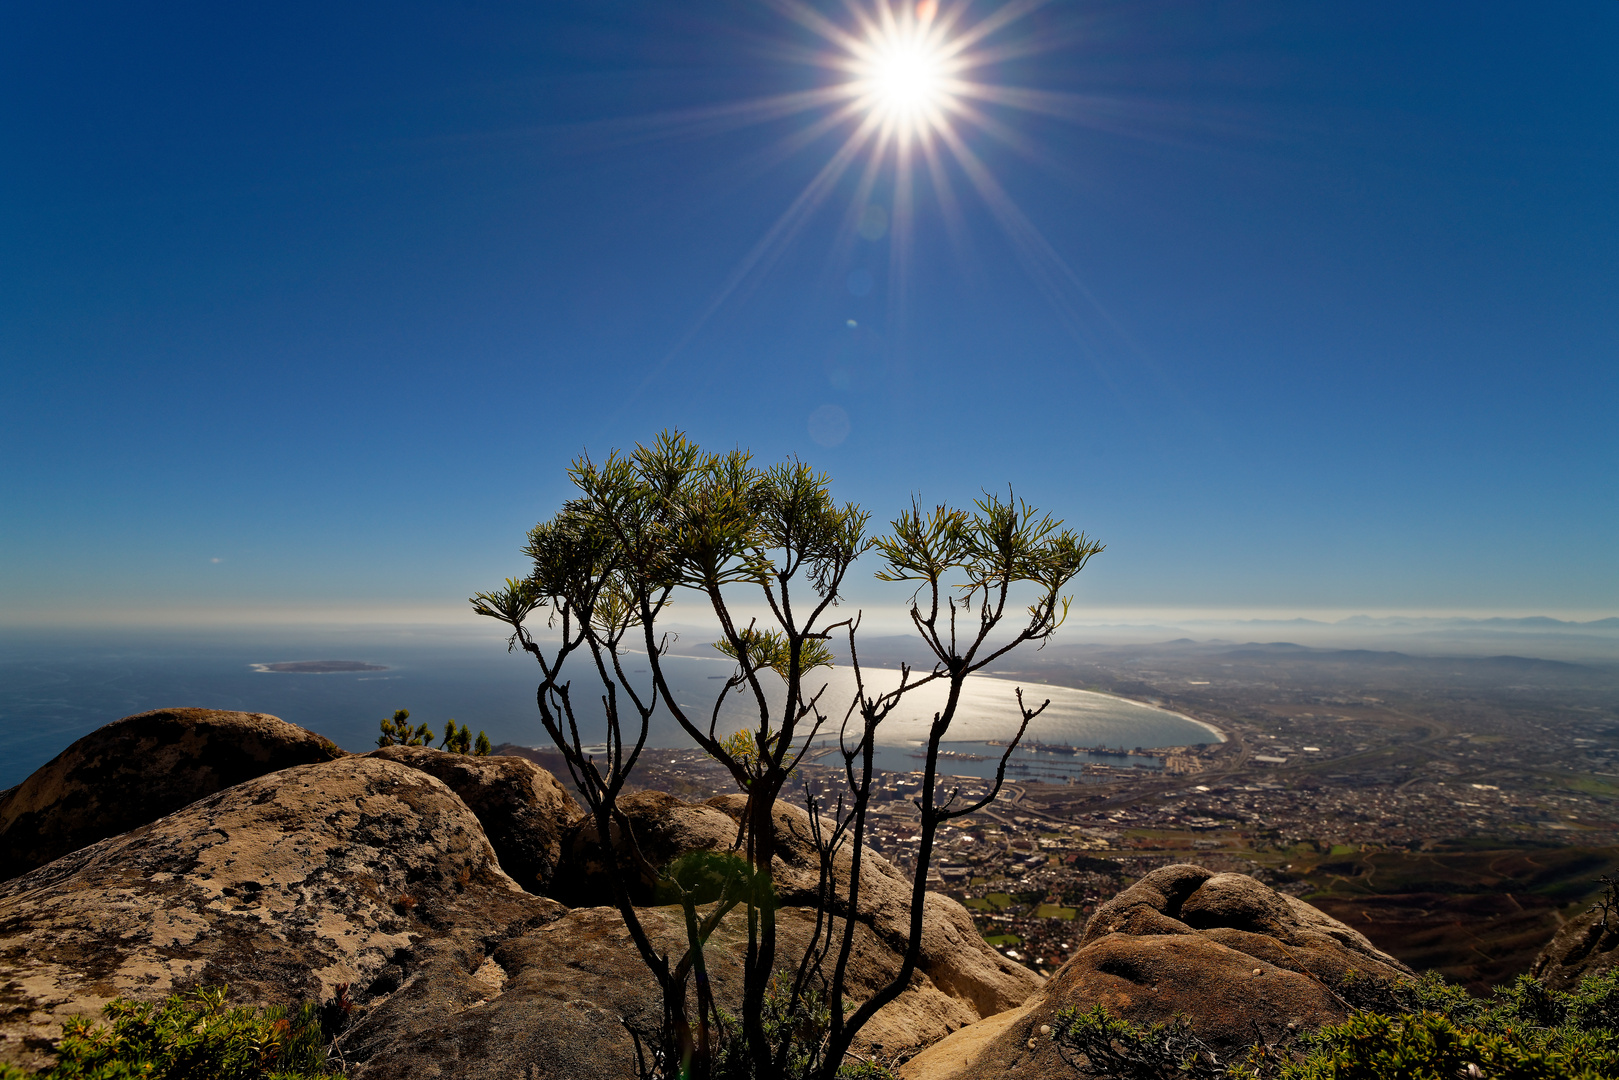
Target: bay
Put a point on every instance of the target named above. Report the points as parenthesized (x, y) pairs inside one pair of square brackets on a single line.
[(58, 685)]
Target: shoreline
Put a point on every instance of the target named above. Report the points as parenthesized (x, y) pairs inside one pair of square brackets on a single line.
[(1205, 724)]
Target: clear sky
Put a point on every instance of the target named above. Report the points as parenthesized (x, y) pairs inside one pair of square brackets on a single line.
[(1296, 306)]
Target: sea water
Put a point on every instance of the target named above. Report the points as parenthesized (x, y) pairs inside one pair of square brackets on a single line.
[(56, 686)]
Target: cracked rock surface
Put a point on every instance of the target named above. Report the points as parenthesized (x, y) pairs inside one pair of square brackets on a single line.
[(281, 887), (389, 873), (1587, 944), (1242, 962), (523, 808)]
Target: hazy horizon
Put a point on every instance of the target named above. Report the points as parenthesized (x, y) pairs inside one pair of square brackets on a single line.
[(1582, 640)]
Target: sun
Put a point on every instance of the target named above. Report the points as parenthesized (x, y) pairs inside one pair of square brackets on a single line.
[(910, 87), (904, 78), (902, 71)]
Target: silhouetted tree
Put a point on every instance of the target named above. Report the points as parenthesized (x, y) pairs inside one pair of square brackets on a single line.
[(671, 517)]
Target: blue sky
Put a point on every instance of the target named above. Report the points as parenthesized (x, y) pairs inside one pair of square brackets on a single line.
[(307, 307)]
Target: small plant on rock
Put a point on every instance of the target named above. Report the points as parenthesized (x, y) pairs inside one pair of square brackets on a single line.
[(459, 741), (1097, 1044), (398, 732), (1607, 906), (192, 1036)]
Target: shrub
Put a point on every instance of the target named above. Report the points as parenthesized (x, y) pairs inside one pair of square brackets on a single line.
[(398, 732), (1418, 1029), (192, 1036), (1099, 1044), (460, 741)]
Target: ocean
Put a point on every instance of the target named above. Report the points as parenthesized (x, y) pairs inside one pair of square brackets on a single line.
[(58, 685)]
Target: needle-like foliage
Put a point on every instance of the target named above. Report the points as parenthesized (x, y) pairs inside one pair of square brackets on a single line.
[(671, 517)]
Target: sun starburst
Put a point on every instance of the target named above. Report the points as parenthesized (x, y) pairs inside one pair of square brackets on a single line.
[(903, 73), (910, 88)]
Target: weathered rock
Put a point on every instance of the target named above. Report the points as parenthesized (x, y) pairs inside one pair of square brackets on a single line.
[(954, 957), (1585, 945), (1242, 962), (137, 769), (371, 871), (663, 827), (523, 809), (568, 995), (352, 871)]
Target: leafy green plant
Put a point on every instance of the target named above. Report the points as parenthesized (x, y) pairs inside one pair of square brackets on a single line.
[(1102, 1045), (1421, 1029), (1431, 1046), (191, 1036)]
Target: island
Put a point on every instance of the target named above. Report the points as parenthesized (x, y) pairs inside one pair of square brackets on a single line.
[(318, 667)]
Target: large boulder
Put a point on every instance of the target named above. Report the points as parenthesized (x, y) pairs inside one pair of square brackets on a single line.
[(139, 768), (523, 809), (1242, 962), (353, 871), (1587, 944), (570, 994), (954, 955)]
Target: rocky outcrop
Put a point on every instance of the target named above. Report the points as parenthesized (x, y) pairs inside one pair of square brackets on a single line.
[(567, 996), (954, 957), (662, 826), (1585, 945), (136, 770), (379, 872), (355, 871), (523, 809), (1241, 961)]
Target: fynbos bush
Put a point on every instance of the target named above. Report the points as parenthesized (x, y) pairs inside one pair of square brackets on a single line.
[(193, 1036)]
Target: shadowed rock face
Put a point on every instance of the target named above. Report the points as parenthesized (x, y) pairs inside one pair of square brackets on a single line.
[(1242, 962), (136, 770), (1584, 946), (353, 871), (524, 811)]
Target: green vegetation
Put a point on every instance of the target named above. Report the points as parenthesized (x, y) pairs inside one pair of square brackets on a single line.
[(195, 1036), (398, 732), (460, 742), (1425, 1029)]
